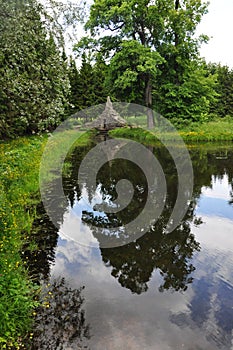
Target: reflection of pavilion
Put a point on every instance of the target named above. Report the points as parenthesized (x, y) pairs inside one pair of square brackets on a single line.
[(111, 152)]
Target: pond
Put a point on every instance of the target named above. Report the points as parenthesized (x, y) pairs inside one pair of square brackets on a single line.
[(164, 290)]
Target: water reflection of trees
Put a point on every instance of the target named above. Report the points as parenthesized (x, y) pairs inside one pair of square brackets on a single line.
[(39, 249), (60, 319), (134, 263)]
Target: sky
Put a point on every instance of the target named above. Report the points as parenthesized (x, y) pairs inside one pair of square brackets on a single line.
[(218, 24)]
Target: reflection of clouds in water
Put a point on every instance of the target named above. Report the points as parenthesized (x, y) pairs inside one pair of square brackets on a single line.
[(216, 207), (220, 188), (215, 201), (119, 319), (211, 307), (75, 259), (73, 228), (164, 321), (215, 234)]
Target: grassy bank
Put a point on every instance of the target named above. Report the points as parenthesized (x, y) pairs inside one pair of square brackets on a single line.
[(219, 130), (19, 162), (19, 194)]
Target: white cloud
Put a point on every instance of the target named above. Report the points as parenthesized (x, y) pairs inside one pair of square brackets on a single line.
[(218, 25)]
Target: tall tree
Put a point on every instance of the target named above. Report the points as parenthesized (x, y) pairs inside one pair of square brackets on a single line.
[(74, 81), (85, 87), (34, 83), (132, 25), (100, 71), (151, 39)]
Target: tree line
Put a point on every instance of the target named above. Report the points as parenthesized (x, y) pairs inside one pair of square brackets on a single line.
[(135, 51)]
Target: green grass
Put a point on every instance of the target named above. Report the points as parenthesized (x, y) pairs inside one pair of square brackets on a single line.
[(135, 133), (217, 130), (57, 148), (19, 193), (19, 163)]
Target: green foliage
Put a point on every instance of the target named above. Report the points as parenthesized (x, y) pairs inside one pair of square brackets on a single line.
[(88, 86), (129, 69), (33, 79), (224, 88), (153, 52), (190, 100), (19, 161)]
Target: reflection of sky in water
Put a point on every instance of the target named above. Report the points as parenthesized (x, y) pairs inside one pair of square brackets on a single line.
[(220, 188), (200, 318), (211, 307), (215, 201), (215, 207), (73, 228)]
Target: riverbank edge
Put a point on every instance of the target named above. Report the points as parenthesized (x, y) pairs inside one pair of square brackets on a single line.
[(212, 135), (19, 195)]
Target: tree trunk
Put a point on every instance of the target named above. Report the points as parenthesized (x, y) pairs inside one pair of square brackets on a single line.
[(148, 101), (177, 5), (176, 66)]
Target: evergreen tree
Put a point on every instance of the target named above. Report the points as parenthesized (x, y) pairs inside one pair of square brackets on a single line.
[(33, 79), (85, 86), (224, 105), (100, 72), (74, 82), (88, 87)]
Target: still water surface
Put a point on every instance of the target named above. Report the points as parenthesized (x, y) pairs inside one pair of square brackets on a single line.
[(164, 291)]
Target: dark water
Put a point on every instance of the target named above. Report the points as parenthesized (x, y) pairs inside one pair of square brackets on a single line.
[(163, 291)]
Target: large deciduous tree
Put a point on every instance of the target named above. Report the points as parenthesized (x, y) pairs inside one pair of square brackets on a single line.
[(152, 49), (131, 25)]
